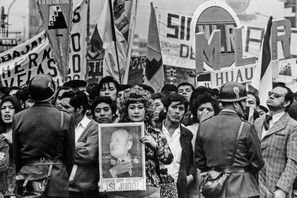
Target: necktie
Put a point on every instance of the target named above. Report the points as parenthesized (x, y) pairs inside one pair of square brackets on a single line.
[(266, 122)]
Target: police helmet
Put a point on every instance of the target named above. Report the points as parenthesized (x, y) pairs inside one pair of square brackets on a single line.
[(41, 88), (232, 92)]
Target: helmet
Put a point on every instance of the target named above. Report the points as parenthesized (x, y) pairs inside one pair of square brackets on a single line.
[(41, 88), (232, 92)]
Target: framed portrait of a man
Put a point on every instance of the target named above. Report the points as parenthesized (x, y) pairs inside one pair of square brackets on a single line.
[(121, 157)]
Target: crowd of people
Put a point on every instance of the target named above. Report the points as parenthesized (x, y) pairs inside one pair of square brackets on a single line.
[(49, 143)]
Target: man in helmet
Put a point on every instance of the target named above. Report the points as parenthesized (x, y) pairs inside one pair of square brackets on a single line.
[(217, 146), (43, 140)]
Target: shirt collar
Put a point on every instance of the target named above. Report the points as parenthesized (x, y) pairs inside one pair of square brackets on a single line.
[(84, 122), (165, 131), (277, 116)]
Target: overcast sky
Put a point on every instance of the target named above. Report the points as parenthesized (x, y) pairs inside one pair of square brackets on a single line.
[(19, 11)]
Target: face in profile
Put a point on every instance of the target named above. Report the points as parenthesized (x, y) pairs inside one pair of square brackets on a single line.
[(136, 112), (120, 143), (7, 112), (158, 107)]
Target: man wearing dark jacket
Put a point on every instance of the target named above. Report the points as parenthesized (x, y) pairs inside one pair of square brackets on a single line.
[(179, 138), (217, 147), (43, 135)]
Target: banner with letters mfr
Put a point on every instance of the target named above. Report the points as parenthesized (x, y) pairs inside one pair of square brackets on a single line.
[(35, 56), (78, 44), (174, 33)]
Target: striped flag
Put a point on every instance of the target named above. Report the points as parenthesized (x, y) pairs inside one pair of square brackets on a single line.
[(262, 78), (154, 71)]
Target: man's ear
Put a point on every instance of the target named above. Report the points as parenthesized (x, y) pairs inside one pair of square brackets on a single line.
[(287, 103), (129, 145), (80, 109)]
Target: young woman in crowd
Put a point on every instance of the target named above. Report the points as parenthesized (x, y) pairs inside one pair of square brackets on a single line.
[(9, 106), (136, 109), (203, 107)]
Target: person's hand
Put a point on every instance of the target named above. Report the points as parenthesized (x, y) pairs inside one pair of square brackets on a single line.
[(205, 115), (190, 179), (279, 193), (6, 137), (119, 168), (149, 140)]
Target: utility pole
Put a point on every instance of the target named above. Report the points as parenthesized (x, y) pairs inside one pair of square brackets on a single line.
[(3, 23)]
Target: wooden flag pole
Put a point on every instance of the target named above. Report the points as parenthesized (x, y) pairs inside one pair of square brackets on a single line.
[(114, 38)]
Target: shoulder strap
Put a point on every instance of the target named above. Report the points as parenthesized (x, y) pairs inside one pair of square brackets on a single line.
[(237, 140), (62, 119)]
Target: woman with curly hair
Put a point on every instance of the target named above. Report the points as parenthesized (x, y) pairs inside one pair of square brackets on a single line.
[(136, 108), (9, 107)]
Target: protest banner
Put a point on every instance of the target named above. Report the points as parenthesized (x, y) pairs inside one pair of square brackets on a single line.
[(35, 56), (119, 149), (56, 16), (174, 33), (78, 43)]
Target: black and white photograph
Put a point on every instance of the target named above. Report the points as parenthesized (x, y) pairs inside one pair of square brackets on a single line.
[(121, 156)]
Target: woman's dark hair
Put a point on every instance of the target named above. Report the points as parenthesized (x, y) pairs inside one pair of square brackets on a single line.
[(17, 107), (105, 99), (201, 99), (136, 95)]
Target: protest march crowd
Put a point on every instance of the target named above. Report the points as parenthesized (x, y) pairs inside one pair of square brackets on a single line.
[(199, 142)]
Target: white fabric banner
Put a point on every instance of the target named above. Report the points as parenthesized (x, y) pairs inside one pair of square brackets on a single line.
[(78, 44), (35, 56)]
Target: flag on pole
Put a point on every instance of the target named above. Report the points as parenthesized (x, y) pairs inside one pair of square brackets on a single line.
[(105, 29), (154, 71), (56, 18), (262, 78)]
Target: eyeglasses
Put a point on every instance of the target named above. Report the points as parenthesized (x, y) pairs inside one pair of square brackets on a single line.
[(275, 95)]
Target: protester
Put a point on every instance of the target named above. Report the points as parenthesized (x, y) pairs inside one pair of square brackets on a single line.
[(252, 107), (159, 99), (169, 89), (77, 85), (13, 90), (179, 138), (23, 96), (108, 86), (120, 98), (204, 107), (9, 107), (4, 163), (58, 96), (217, 148), (103, 110), (278, 134), (136, 109), (84, 177), (43, 141)]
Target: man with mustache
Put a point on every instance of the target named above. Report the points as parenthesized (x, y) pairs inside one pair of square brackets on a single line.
[(121, 163)]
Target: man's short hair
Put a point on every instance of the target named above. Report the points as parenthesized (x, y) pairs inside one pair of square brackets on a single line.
[(175, 98), (159, 95), (107, 80), (123, 87), (256, 97), (186, 84), (77, 99), (105, 99), (75, 84)]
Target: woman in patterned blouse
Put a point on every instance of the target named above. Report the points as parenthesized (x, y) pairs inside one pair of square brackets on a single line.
[(136, 108)]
